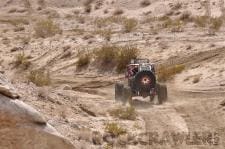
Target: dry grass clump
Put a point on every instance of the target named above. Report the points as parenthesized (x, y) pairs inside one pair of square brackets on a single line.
[(46, 28), (83, 60), (165, 73), (106, 55), (201, 21), (128, 113), (39, 77), (145, 3), (101, 22), (130, 25), (126, 53), (169, 23), (114, 129), (216, 23), (106, 34), (213, 23), (114, 56), (118, 11), (21, 60)]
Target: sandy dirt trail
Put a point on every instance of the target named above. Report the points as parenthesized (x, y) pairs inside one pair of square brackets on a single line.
[(184, 112)]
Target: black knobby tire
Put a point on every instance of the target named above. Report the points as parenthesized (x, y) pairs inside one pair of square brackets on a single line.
[(138, 81), (127, 94), (118, 91), (162, 93)]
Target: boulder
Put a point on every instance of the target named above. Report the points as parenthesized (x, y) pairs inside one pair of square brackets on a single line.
[(21, 126), (6, 88)]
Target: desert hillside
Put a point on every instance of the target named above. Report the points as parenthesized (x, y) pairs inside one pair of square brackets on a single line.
[(64, 57)]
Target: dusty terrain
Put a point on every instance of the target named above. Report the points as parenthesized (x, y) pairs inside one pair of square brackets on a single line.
[(77, 102)]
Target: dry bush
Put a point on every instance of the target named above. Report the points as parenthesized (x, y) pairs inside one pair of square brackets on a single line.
[(145, 3), (124, 57), (186, 16), (101, 22), (106, 55), (21, 60), (106, 34), (39, 77), (216, 23), (46, 28), (130, 25), (114, 129), (165, 73), (128, 113), (201, 21), (118, 11), (113, 56), (83, 60), (169, 23)]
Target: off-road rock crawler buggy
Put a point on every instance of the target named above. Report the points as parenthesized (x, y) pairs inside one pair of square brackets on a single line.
[(141, 82)]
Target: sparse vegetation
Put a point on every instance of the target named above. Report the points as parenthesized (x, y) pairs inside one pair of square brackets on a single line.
[(106, 55), (114, 129), (106, 34), (83, 60), (46, 28), (21, 60), (213, 23), (126, 53), (115, 56), (130, 25), (165, 73), (128, 113), (39, 77)]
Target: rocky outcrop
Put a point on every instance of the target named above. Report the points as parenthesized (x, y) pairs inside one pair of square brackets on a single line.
[(21, 126)]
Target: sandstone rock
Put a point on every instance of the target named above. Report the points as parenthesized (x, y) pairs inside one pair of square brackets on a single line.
[(23, 127), (7, 89)]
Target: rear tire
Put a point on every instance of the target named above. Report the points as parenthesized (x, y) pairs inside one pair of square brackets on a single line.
[(127, 94), (162, 93), (119, 91)]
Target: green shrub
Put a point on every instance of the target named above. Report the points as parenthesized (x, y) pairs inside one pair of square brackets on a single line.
[(114, 129), (40, 77), (46, 28)]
